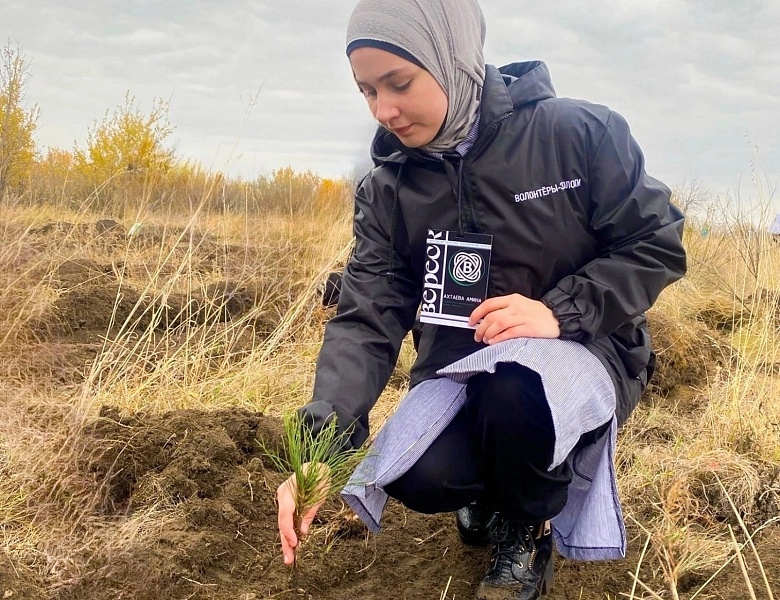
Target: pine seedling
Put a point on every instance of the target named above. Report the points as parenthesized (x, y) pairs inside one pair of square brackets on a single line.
[(320, 464)]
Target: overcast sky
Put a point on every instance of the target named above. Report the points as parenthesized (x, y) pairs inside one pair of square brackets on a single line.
[(697, 80)]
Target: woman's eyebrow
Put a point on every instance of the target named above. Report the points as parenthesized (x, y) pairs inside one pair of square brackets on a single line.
[(384, 77)]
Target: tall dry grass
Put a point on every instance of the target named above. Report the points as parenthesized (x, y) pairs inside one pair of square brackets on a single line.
[(172, 346), (696, 457), (701, 463)]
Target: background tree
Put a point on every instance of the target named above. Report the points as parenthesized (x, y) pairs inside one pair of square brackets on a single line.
[(126, 150), (17, 122)]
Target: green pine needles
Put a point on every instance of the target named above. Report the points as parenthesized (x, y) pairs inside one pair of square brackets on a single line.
[(302, 452)]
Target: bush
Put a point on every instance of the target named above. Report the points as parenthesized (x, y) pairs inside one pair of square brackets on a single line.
[(126, 152)]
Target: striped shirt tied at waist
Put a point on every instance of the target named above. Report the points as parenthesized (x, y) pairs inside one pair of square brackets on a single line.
[(581, 398)]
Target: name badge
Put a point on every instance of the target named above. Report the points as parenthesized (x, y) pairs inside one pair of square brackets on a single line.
[(456, 276)]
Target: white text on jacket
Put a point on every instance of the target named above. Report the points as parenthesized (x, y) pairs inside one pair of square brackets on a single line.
[(548, 189)]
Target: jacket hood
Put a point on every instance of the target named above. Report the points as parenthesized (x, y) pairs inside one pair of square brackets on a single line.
[(527, 82), (506, 89)]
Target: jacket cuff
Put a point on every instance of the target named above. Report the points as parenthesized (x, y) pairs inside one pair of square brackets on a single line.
[(317, 414), (565, 310)]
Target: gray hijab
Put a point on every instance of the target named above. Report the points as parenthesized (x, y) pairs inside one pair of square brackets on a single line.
[(446, 37)]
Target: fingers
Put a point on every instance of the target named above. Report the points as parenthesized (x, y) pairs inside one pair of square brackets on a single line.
[(508, 334), (489, 315), (286, 520), (502, 329), (285, 497), (499, 314), (488, 306), (309, 517), (506, 317)]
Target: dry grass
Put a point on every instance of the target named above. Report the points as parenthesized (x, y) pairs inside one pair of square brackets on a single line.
[(696, 458), (50, 510), (697, 462)]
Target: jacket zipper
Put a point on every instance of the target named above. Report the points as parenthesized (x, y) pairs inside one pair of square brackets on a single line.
[(481, 143), (487, 136), (471, 218)]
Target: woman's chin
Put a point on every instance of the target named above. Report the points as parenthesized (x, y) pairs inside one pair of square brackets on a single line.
[(413, 141)]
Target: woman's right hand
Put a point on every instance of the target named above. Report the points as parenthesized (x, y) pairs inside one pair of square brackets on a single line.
[(285, 497)]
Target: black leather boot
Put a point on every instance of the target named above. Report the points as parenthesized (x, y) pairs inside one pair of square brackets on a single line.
[(522, 564), (475, 523)]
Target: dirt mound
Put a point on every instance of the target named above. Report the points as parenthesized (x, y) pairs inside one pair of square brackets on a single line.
[(92, 304), (180, 454), (93, 310), (219, 538), (98, 284), (222, 540), (74, 272)]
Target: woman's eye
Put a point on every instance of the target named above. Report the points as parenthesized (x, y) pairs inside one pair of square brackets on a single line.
[(402, 87), (368, 93)]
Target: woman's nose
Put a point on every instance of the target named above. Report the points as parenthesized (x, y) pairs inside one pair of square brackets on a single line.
[(386, 109)]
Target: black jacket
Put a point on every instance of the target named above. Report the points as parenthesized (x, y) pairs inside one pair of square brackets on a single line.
[(576, 223)]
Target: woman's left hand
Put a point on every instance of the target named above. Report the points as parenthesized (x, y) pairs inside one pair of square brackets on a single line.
[(513, 316)]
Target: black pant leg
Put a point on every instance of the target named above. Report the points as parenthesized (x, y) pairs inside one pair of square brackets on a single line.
[(497, 449), (517, 442), (448, 476)]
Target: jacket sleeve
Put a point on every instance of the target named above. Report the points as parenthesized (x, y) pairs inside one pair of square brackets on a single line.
[(375, 312), (639, 235)]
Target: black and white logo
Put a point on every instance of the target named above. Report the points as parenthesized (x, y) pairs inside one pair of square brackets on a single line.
[(466, 268)]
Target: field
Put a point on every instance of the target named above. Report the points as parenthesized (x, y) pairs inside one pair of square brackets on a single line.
[(146, 355)]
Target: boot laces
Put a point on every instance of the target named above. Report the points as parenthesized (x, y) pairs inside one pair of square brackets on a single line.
[(511, 543)]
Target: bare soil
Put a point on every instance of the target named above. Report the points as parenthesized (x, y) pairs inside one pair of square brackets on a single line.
[(221, 541)]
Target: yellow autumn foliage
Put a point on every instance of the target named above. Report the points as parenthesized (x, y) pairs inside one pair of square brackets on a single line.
[(17, 122), (125, 151)]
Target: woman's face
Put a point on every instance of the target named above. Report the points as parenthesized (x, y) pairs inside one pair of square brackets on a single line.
[(404, 98)]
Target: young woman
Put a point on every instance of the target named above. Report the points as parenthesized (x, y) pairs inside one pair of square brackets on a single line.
[(513, 409)]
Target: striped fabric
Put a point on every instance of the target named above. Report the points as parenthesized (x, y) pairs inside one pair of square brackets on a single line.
[(581, 398)]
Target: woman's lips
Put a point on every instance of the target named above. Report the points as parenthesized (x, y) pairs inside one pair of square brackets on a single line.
[(402, 130)]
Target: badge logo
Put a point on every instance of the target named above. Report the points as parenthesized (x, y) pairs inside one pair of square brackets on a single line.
[(466, 268)]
